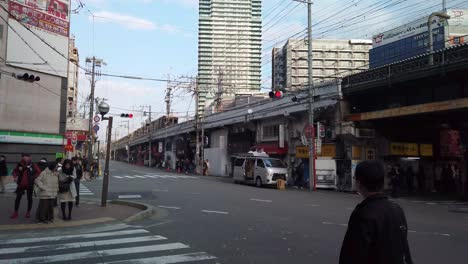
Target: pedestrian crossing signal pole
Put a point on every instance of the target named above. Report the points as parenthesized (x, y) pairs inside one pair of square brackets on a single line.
[(104, 109)]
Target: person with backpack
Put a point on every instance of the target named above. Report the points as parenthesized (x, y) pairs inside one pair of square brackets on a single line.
[(67, 189), (79, 174), (377, 229), (24, 175), (46, 190)]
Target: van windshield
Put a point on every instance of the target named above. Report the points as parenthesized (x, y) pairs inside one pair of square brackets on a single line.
[(274, 163)]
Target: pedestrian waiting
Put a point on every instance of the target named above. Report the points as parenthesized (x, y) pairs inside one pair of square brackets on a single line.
[(3, 173), (67, 190), (377, 229), (24, 175), (46, 189)]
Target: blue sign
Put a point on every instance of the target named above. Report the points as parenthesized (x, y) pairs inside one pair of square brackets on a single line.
[(96, 128)]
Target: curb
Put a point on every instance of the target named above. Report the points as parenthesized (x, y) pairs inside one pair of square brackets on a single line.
[(57, 224), (148, 210)]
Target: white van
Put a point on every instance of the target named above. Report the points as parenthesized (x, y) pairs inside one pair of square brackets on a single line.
[(258, 170)]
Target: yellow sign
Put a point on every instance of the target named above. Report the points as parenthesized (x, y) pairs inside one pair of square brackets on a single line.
[(404, 149), (426, 150), (302, 152), (328, 150), (356, 152)]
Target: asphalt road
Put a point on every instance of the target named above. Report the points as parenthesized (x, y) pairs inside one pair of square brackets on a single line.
[(245, 224)]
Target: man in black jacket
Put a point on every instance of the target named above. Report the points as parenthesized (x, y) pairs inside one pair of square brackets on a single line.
[(377, 229)]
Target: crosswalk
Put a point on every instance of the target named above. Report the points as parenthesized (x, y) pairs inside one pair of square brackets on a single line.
[(128, 246), (155, 176), (85, 191)]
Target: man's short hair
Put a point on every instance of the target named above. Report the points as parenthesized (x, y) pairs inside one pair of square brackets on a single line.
[(371, 174)]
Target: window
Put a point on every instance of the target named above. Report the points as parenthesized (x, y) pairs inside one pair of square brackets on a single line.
[(274, 163), (260, 163), (271, 131), (239, 162)]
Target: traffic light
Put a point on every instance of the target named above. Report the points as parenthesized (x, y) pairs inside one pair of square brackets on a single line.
[(28, 77), (276, 94), (126, 115)]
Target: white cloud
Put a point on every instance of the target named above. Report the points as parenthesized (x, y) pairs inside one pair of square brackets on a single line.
[(127, 21)]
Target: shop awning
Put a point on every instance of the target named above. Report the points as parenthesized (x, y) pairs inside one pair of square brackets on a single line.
[(272, 148)]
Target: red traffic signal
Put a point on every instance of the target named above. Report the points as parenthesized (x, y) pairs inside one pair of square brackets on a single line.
[(275, 94), (126, 115)]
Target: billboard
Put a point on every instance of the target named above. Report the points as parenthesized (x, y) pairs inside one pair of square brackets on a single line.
[(49, 19), (408, 30)]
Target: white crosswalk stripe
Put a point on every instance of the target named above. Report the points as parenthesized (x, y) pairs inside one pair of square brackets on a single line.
[(11, 187), (156, 176), (134, 246)]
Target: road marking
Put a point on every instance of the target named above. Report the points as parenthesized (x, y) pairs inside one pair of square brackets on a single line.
[(169, 207), (95, 254), (312, 205), (431, 203), (118, 177), (138, 176), (168, 259), (130, 177), (260, 200), (411, 231), (214, 212), (60, 238), (328, 223), (82, 244), (130, 196), (160, 190)]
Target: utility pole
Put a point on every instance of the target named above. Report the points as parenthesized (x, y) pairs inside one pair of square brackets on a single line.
[(312, 179), (197, 136), (444, 5), (220, 91), (149, 135), (95, 73)]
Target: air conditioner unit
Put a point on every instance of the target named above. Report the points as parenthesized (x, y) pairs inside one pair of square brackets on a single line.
[(365, 133)]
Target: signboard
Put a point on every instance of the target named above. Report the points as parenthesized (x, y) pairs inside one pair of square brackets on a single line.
[(450, 144), (96, 119), (356, 152), (302, 152), (328, 150), (318, 146), (160, 147), (96, 128), (30, 138), (49, 19), (408, 30), (404, 149), (59, 155), (458, 18), (77, 124), (309, 131), (426, 150)]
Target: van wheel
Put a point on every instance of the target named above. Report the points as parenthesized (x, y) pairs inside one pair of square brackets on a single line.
[(258, 182)]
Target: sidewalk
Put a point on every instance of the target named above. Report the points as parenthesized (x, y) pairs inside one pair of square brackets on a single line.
[(89, 212)]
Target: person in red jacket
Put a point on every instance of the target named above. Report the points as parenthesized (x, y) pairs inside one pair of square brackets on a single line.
[(24, 174)]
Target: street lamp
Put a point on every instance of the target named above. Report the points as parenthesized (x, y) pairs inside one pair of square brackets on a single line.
[(104, 108), (431, 37)]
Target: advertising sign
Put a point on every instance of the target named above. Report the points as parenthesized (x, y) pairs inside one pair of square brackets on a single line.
[(408, 30), (48, 15), (47, 20), (426, 150), (458, 17), (404, 149), (77, 124)]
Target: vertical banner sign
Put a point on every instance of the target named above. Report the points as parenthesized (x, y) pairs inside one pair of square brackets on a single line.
[(281, 136)]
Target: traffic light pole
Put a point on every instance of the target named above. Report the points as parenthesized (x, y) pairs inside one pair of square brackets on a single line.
[(105, 184)]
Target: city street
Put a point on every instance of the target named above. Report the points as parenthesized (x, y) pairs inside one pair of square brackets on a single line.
[(244, 224)]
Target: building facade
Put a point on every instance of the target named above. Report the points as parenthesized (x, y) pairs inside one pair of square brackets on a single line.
[(412, 39), (32, 111), (331, 59), (73, 73), (229, 49)]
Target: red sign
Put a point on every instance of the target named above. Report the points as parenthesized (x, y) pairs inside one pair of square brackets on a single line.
[(309, 131), (55, 20), (450, 144)]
